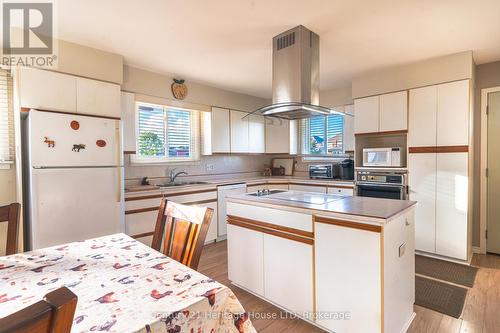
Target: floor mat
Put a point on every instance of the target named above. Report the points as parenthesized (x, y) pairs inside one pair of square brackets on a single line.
[(439, 296), (444, 270)]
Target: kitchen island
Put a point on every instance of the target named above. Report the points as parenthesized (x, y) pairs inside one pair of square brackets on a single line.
[(345, 264)]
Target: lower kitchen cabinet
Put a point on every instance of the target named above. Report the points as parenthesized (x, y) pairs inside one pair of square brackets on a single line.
[(341, 191), (307, 188), (245, 261), (272, 186), (288, 273)]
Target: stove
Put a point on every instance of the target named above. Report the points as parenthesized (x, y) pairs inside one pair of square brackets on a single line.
[(296, 196)]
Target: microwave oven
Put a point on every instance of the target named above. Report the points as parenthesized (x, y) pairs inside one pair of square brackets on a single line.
[(382, 157)]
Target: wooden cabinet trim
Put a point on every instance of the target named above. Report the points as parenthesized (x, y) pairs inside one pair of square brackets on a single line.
[(341, 186), (348, 224), (289, 230), (308, 184), (24, 109), (150, 209), (168, 195), (144, 197), (236, 221), (438, 149), (383, 133)]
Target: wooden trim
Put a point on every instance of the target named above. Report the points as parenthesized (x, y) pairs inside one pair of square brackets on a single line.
[(382, 282), (257, 184), (144, 234), (348, 224), (438, 149), (237, 223), (383, 133), (277, 183), (289, 230), (168, 195), (141, 210), (341, 186), (144, 197), (151, 209), (129, 152), (23, 109)]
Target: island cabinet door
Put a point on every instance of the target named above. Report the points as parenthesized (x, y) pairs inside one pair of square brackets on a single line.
[(288, 274), (348, 278), (245, 258)]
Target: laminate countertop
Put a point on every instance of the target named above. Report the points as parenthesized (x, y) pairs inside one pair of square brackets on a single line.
[(213, 183), (373, 208)]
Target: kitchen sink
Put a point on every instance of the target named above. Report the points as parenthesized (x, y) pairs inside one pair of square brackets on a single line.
[(181, 183)]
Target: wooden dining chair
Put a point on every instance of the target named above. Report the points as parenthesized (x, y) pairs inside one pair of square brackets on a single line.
[(10, 214), (185, 232), (53, 314)]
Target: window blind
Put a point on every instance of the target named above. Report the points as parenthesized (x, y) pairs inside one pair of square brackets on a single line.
[(6, 118), (322, 135)]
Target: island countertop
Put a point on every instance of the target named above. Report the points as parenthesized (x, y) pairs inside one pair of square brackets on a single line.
[(375, 208)]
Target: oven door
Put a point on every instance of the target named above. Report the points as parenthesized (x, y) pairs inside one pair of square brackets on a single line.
[(385, 191)]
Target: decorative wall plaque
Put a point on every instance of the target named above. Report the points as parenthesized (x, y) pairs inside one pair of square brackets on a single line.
[(179, 89)]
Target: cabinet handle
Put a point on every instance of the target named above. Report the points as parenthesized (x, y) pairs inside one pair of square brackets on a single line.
[(406, 222)]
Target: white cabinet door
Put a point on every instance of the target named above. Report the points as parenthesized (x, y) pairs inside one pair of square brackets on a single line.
[(307, 188), (422, 182), (349, 280), (367, 115), (452, 204), (277, 135), (128, 121), (45, 90), (349, 192), (221, 142), (422, 117), (245, 258), (394, 111), (256, 134), (97, 98), (212, 229), (453, 113), (349, 128), (288, 273), (239, 132)]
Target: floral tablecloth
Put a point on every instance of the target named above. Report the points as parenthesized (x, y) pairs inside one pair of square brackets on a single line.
[(122, 286)]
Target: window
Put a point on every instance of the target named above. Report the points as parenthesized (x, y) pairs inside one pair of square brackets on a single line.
[(6, 120), (322, 135), (166, 134)]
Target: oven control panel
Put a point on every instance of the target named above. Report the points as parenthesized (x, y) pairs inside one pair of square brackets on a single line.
[(385, 178)]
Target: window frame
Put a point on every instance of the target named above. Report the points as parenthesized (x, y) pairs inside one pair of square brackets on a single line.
[(194, 141), (305, 150)]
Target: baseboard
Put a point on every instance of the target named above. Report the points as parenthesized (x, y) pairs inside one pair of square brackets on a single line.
[(477, 249), (437, 256), (407, 326)]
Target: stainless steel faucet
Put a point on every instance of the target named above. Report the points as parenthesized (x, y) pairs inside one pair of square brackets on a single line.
[(173, 175)]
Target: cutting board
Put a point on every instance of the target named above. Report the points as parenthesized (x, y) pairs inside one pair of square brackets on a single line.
[(286, 163)]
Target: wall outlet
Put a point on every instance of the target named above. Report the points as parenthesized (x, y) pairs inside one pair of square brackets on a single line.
[(209, 167)]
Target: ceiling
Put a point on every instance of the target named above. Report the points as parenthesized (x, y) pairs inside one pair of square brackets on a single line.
[(227, 43)]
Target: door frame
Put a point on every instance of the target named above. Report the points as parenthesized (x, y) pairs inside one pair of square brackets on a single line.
[(483, 198)]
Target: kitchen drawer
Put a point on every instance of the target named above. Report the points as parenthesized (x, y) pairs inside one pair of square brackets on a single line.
[(191, 197), (278, 186), (341, 191), (143, 203)]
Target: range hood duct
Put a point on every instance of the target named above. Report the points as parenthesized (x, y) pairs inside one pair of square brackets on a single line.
[(296, 76)]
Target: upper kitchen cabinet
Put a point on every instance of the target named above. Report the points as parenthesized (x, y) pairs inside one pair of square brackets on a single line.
[(45, 90), (393, 111), (422, 114), (383, 113), (239, 132), (97, 98), (257, 134), (277, 135), (367, 115), (453, 113), (439, 115), (221, 142), (349, 128), (128, 121)]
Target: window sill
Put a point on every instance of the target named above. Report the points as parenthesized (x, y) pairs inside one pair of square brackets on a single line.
[(312, 158), (6, 165), (163, 163)]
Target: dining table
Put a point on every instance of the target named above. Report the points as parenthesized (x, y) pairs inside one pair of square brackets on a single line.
[(122, 285)]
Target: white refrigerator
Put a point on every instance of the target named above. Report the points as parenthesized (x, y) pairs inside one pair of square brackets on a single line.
[(75, 178)]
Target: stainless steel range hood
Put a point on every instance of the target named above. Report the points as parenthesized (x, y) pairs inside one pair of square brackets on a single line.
[(296, 76)]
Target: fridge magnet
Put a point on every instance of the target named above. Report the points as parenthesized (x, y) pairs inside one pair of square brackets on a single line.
[(50, 143), (78, 147), (100, 143), (179, 89), (75, 125)]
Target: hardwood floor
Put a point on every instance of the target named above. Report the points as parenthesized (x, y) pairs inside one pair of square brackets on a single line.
[(481, 312)]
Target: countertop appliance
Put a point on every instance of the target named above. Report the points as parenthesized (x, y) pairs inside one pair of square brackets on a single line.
[(340, 171), (74, 178), (222, 192), (379, 184), (382, 157)]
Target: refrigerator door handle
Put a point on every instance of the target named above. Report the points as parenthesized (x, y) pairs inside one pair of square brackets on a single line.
[(118, 160)]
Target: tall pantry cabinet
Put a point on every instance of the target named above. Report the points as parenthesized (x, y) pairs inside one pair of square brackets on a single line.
[(438, 164)]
